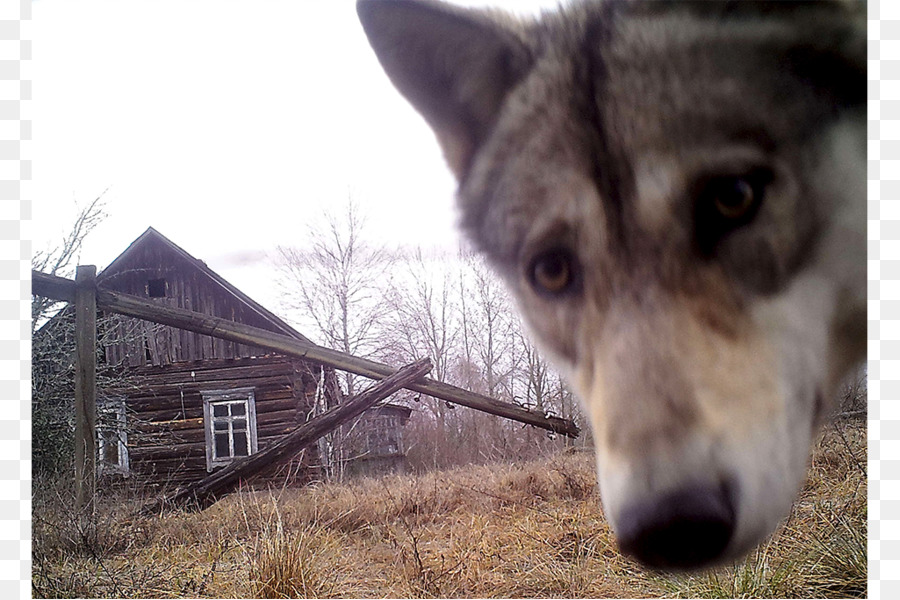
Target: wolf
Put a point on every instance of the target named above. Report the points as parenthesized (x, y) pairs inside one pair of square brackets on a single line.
[(674, 193)]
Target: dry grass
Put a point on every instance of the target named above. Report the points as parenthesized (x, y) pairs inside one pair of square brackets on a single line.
[(530, 530)]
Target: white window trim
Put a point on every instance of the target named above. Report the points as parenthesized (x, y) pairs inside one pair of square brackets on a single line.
[(116, 406), (211, 397)]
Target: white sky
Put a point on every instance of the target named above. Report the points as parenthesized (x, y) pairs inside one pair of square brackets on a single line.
[(225, 125)]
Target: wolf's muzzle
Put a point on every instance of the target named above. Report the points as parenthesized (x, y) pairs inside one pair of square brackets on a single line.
[(684, 529)]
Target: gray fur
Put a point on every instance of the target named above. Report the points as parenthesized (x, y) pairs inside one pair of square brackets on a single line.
[(595, 130)]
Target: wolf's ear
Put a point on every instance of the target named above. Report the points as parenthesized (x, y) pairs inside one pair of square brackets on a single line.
[(454, 65)]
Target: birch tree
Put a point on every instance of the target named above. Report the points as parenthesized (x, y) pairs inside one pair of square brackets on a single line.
[(336, 282)]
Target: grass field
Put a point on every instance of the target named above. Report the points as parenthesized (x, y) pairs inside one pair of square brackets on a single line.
[(521, 530)]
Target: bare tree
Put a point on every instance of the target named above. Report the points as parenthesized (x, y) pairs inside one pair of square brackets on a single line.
[(495, 326), (336, 283), (424, 322), (535, 373), (53, 348), (457, 312), (57, 260), (423, 319)]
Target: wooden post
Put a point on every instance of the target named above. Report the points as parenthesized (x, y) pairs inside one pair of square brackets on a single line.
[(210, 488), (85, 387)]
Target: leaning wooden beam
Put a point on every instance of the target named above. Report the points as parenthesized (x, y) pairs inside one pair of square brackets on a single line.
[(206, 491), (59, 288)]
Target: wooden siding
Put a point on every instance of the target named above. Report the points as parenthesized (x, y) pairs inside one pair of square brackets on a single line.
[(374, 444), (188, 285)]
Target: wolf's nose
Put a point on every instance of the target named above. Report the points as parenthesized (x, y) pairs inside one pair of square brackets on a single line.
[(685, 529)]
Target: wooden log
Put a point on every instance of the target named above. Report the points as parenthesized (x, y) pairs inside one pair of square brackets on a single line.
[(147, 427), (192, 442), (279, 416), (153, 397), (197, 433), (154, 428), (52, 286), (185, 436), (166, 467), (222, 374), (85, 388), (209, 489), (55, 287), (170, 449), (171, 414), (199, 367)]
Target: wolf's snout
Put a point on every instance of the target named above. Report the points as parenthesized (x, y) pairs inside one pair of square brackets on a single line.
[(684, 529)]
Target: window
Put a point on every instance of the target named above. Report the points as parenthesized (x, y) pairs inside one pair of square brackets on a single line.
[(112, 438), (229, 417), (156, 288), (383, 434)]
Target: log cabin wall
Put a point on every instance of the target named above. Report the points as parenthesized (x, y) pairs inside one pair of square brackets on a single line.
[(167, 443)]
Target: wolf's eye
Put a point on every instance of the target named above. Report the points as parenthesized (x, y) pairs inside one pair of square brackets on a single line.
[(553, 271), (726, 202), (733, 197)]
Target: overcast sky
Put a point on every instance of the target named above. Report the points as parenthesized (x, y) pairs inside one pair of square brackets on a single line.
[(226, 126)]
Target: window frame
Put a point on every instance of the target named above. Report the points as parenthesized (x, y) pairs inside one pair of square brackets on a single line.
[(232, 396), (117, 427)]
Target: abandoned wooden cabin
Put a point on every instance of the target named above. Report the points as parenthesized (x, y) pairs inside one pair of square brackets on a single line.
[(191, 403), (375, 443)]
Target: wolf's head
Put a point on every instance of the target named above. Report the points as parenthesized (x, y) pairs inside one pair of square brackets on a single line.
[(675, 194)]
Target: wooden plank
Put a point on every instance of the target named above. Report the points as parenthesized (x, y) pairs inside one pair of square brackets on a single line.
[(238, 332), (150, 421), (165, 467), (144, 441), (154, 397), (143, 427), (198, 367), (147, 410), (280, 416), (171, 451), (185, 442), (85, 387), (208, 490), (172, 414), (221, 374), (197, 434), (272, 405)]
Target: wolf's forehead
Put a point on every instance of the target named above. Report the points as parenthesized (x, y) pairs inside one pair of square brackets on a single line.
[(677, 82), (607, 89), (588, 110)]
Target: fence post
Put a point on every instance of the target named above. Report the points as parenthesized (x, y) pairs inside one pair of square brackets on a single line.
[(85, 387)]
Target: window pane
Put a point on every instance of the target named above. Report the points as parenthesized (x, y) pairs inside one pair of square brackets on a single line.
[(240, 424), (110, 450), (220, 425), (238, 409), (220, 410), (222, 450), (240, 444)]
